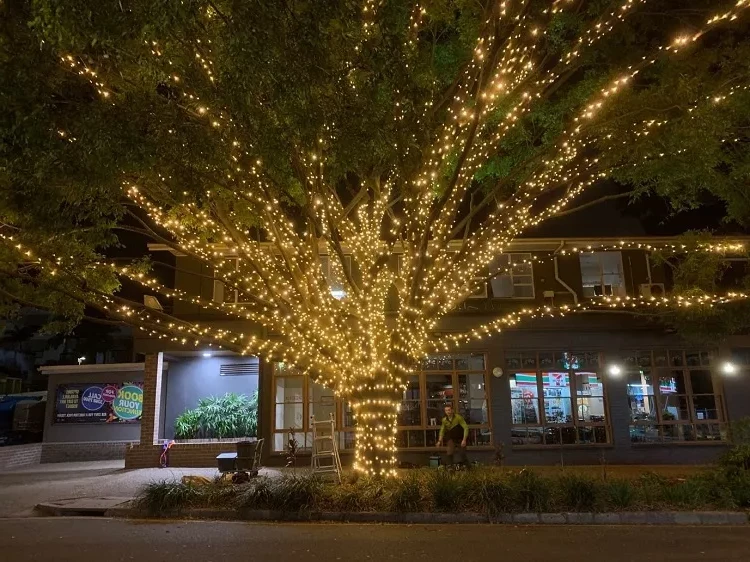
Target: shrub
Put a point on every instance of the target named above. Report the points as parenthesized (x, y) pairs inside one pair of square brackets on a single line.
[(494, 495), (217, 417), (578, 493), (289, 493), (650, 488), (169, 496), (737, 458), (407, 494), (364, 494), (530, 491), (620, 494), (446, 490), (692, 492)]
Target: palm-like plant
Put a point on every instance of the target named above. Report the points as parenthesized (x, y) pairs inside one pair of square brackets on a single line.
[(217, 417)]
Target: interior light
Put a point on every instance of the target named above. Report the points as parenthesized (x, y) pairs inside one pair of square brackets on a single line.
[(615, 370), (207, 354), (728, 368)]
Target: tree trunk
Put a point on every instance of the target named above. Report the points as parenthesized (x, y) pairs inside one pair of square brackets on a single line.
[(376, 419)]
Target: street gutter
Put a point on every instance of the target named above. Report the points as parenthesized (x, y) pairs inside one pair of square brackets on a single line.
[(572, 518)]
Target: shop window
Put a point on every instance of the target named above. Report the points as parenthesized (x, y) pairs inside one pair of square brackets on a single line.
[(601, 274), (298, 398), (515, 279), (459, 380), (411, 406), (673, 398), (564, 406)]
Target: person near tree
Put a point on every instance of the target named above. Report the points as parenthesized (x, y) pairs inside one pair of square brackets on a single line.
[(454, 430)]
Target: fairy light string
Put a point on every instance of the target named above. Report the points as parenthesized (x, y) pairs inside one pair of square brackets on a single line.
[(325, 291)]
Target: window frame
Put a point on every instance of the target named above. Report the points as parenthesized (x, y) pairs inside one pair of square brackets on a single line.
[(484, 429), (623, 288), (540, 371), (509, 273), (339, 410), (667, 429)]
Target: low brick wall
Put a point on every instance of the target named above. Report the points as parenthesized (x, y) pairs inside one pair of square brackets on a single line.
[(15, 456), (189, 455), (80, 451)]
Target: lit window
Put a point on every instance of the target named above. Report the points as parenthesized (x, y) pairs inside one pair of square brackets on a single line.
[(564, 405), (675, 399)]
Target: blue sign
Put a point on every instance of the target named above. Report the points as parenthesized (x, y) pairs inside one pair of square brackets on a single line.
[(91, 399)]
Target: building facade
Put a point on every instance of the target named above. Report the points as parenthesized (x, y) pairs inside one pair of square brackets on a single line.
[(582, 389)]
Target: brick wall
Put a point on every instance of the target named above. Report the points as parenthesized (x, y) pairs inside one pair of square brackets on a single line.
[(190, 455), (15, 456), (152, 382), (84, 451)]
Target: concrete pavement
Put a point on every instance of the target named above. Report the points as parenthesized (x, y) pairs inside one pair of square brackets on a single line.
[(93, 540), (21, 489)]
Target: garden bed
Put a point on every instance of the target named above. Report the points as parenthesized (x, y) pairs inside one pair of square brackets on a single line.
[(487, 493)]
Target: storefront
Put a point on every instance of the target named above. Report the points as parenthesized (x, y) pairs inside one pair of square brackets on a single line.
[(662, 405)]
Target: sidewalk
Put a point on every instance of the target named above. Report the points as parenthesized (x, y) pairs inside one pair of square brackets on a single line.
[(23, 488)]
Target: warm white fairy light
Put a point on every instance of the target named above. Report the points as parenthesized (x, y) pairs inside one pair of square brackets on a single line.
[(345, 336)]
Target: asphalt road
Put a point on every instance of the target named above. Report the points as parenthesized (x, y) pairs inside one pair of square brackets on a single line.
[(95, 539)]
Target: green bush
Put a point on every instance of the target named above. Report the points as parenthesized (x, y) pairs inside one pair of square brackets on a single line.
[(288, 493), (447, 490), (362, 494), (487, 490), (407, 494), (218, 417), (737, 458), (578, 493), (494, 495), (619, 494), (530, 491), (163, 498)]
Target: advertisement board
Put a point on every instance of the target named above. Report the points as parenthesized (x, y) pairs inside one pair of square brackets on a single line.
[(119, 402)]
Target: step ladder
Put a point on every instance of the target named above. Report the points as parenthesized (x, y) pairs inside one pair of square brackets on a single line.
[(325, 448)]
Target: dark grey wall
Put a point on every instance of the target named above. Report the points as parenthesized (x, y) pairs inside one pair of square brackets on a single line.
[(189, 380), (737, 394), (73, 432)]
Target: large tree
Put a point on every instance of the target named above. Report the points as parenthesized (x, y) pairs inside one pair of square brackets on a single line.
[(322, 142)]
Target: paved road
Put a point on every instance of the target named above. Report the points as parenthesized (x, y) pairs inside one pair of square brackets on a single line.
[(94, 540)]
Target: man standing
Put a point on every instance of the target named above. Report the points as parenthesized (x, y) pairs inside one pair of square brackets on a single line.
[(454, 429)]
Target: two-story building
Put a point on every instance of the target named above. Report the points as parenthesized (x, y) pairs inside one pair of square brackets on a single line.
[(584, 388)]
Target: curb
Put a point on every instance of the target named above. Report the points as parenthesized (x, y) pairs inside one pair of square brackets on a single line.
[(577, 518)]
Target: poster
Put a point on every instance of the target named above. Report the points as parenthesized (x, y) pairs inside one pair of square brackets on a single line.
[(99, 402)]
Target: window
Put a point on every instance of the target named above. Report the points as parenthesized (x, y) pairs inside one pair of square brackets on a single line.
[(516, 277), (601, 273), (298, 398), (221, 292), (460, 380), (337, 285), (557, 398), (673, 397)]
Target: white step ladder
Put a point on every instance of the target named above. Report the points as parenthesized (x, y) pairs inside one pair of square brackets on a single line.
[(325, 448)]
